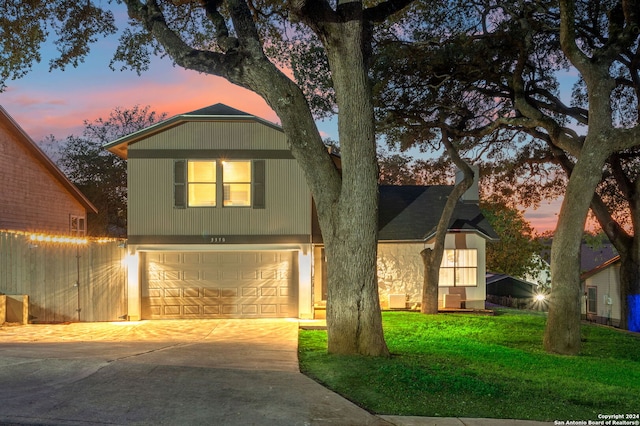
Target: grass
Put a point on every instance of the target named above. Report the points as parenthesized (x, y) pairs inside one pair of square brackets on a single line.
[(453, 365)]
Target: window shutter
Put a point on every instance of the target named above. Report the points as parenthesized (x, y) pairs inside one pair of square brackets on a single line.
[(180, 184), (259, 201)]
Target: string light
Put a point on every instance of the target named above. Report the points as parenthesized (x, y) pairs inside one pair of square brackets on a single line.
[(59, 239)]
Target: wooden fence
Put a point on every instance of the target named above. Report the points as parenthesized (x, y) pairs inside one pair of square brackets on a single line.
[(65, 280)]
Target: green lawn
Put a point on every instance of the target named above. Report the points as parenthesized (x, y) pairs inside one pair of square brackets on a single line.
[(457, 365)]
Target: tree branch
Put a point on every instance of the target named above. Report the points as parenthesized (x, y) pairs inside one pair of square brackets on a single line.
[(384, 10)]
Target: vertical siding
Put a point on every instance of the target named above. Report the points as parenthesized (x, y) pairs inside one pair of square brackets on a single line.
[(215, 135), (48, 274), (607, 282), (151, 210)]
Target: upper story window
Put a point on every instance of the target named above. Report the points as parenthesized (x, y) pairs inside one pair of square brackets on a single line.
[(201, 180), (459, 268), (77, 225), (236, 181), (203, 183)]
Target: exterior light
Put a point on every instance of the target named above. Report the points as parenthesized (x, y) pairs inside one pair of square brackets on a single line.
[(540, 297)]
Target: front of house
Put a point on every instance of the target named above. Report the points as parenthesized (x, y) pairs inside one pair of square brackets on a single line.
[(220, 225)]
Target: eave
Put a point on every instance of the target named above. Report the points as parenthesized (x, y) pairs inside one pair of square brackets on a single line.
[(45, 161)]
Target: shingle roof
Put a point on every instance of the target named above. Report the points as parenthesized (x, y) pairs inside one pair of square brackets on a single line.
[(411, 213), (218, 110)]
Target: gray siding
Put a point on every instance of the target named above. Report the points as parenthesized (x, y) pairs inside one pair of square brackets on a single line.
[(151, 203), (226, 134)]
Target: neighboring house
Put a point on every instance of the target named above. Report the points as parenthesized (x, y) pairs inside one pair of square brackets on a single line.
[(601, 301), (221, 224), (35, 196)]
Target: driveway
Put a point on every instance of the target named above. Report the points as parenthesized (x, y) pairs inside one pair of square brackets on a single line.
[(187, 372)]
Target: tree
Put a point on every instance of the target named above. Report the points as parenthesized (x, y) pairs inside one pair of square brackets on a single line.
[(518, 91), (231, 39), (515, 253), (100, 175)]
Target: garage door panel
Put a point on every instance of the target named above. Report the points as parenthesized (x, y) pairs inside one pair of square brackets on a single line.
[(210, 293), (218, 285)]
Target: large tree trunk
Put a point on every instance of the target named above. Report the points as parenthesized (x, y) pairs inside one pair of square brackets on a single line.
[(431, 259), (562, 333), (354, 322)]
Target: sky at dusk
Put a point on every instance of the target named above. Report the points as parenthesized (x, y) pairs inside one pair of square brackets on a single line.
[(57, 103)]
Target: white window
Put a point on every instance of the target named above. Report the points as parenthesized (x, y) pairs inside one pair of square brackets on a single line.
[(459, 268), (77, 225)]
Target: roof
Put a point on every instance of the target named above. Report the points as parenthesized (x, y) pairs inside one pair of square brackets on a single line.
[(45, 161), (506, 285), (605, 265), (217, 112), (411, 213)]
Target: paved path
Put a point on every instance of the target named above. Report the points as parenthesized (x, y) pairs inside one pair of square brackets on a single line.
[(196, 372)]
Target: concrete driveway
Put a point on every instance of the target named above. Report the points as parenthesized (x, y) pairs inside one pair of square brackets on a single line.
[(193, 372)]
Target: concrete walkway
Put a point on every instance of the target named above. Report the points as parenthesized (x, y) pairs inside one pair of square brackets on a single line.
[(195, 372)]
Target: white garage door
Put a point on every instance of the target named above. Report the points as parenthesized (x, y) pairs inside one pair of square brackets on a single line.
[(219, 285)]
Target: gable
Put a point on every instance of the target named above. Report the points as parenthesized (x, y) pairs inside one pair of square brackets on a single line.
[(35, 194), (230, 128)]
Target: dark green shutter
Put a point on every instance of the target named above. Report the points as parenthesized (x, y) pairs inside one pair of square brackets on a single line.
[(259, 201), (180, 184)]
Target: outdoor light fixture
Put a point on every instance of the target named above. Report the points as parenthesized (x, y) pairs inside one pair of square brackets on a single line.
[(540, 297)]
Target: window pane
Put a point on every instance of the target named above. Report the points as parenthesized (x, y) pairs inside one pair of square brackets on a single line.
[(467, 257), (592, 296), (237, 194), (202, 171), (236, 171), (202, 194), (446, 277), (466, 277), (448, 259)]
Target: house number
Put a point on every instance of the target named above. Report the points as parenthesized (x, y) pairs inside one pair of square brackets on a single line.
[(218, 240)]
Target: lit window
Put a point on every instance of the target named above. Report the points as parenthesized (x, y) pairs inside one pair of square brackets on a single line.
[(201, 176), (459, 268), (236, 179)]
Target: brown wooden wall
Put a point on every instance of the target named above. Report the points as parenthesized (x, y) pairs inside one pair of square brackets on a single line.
[(31, 199), (61, 278)]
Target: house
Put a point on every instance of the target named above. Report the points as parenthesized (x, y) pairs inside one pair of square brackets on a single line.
[(35, 196), (221, 224), (601, 302)]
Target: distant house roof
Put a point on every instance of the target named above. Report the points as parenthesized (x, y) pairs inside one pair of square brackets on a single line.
[(28, 143), (506, 285), (591, 255), (594, 256), (217, 112), (591, 272), (411, 213)]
